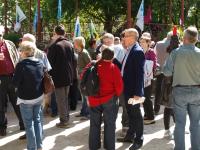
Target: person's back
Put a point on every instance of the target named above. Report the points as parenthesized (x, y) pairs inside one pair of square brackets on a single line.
[(160, 50), (60, 55), (29, 78)]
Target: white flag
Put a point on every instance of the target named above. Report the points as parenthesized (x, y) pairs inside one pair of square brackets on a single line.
[(140, 16), (20, 16)]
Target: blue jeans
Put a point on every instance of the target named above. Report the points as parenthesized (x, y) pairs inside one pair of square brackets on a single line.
[(54, 109), (31, 117), (106, 113), (84, 109), (186, 100)]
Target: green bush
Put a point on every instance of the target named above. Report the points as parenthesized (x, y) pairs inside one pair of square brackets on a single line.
[(14, 37)]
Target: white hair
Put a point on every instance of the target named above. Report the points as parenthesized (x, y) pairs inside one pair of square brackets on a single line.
[(29, 37)]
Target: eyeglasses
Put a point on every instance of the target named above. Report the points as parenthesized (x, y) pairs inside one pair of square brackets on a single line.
[(127, 36)]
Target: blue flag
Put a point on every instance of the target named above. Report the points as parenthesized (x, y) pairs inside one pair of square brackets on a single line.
[(77, 31), (59, 14), (35, 19)]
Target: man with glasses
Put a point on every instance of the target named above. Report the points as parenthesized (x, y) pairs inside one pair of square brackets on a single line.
[(133, 76), (8, 60)]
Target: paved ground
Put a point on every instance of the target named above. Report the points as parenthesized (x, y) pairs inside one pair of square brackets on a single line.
[(76, 137)]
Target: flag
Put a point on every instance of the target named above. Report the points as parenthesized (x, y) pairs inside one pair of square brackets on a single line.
[(140, 16), (77, 31), (93, 33), (20, 16), (59, 14), (35, 19), (148, 17)]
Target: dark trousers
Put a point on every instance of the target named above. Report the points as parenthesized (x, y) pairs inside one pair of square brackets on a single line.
[(125, 122), (136, 125), (148, 105), (73, 95), (54, 109), (7, 92), (168, 112), (109, 112), (159, 79)]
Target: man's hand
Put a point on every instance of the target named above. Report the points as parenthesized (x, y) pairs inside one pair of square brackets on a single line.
[(136, 97)]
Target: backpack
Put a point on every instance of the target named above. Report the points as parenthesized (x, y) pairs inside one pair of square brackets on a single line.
[(89, 85)]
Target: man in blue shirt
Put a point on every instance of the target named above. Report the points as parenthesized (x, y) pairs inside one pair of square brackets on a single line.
[(183, 64)]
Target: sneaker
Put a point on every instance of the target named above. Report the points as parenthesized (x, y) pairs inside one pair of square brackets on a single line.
[(168, 135), (2, 132), (148, 122), (62, 125)]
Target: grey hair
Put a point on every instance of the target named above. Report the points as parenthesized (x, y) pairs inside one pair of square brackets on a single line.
[(191, 33), (29, 37)]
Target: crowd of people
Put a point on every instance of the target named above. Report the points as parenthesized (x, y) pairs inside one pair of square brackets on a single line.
[(126, 67)]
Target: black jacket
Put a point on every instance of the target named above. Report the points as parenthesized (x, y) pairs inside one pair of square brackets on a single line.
[(61, 57), (28, 78)]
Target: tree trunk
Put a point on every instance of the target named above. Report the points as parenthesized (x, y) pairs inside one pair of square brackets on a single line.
[(108, 25)]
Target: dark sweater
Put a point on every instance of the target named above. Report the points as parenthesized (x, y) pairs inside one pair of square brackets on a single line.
[(28, 78), (61, 57)]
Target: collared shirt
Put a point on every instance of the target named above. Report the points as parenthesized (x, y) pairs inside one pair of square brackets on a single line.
[(184, 64), (125, 58), (6, 65)]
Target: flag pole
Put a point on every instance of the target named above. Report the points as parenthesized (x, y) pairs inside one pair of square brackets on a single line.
[(5, 15), (182, 13), (30, 20), (129, 22), (39, 23)]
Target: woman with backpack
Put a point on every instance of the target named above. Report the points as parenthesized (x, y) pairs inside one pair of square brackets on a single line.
[(104, 105)]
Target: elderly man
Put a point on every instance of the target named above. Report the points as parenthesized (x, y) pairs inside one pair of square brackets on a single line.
[(8, 60), (133, 77), (183, 65)]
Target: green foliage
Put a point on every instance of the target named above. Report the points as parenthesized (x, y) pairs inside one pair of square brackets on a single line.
[(14, 37)]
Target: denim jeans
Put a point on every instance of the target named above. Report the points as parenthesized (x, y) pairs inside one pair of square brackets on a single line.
[(108, 114), (186, 100), (84, 109), (31, 117), (54, 109)]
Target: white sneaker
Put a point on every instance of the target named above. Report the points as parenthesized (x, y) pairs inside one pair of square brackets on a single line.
[(168, 135)]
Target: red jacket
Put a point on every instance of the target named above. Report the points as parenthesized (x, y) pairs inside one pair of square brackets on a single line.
[(110, 83)]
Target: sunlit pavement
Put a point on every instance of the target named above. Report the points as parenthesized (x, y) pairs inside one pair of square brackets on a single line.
[(76, 137)]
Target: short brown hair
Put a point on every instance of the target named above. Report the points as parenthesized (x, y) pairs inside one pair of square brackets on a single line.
[(107, 54)]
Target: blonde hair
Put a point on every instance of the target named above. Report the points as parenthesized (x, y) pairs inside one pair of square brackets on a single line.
[(191, 33), (28, 48), (80, 42)]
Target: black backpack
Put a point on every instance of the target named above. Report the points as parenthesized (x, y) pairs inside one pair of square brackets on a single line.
[(89, 85)]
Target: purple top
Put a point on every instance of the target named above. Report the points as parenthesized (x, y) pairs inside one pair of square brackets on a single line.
[(150, 55)]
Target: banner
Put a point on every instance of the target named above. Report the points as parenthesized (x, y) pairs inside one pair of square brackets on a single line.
[(77, 31), (140, 16), (59, 14)]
